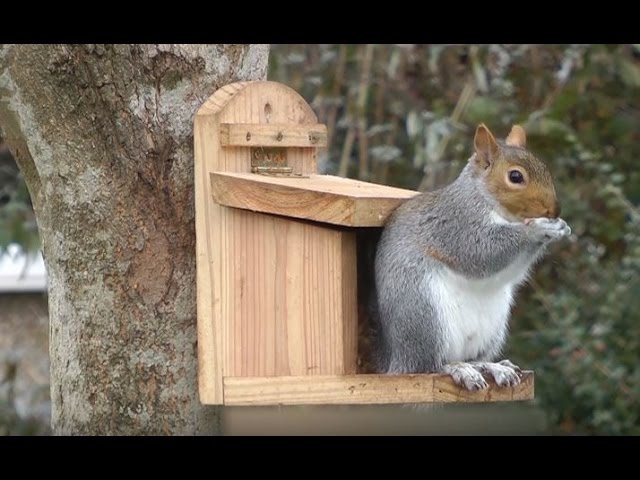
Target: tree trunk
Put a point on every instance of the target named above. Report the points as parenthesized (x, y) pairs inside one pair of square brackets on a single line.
[(104, 136)]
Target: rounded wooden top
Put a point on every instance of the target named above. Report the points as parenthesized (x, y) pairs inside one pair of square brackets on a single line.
[(259, 102)]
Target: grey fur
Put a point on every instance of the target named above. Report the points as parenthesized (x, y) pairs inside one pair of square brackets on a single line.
[(456, 222)]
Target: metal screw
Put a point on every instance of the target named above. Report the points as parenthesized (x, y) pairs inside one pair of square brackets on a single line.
[(313, 138), (279, 137), (248, 136)]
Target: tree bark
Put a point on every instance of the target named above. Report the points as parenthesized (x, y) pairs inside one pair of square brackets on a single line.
[(104, 136)]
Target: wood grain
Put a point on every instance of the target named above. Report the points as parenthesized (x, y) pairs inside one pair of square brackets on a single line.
[(273, 135), (365, 389), (348, 282), (321, 198), (210, 333), (291, 296)]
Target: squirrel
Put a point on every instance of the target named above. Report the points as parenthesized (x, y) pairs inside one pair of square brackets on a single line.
[(449, 262)]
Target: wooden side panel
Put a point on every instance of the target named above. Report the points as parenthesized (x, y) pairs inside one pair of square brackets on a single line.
[(208, 245), (349, 291), (365, 389)]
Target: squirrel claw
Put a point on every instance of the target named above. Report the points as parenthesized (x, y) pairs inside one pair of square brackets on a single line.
[(510, 364), (466, 376), (505, 373)]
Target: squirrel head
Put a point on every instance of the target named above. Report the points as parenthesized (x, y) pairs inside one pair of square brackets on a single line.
[(517, 179)]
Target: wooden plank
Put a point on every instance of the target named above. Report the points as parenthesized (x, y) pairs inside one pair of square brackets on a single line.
[(321, 198), (273, 135), (278, 322), (365, 389), (210, 366), (348, 284)]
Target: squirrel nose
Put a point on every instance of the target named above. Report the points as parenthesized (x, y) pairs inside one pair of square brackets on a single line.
[(554, 212)]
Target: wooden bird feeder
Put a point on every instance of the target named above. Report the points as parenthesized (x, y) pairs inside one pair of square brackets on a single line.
[(276, 262)]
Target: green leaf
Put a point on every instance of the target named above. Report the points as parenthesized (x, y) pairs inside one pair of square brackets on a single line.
[(629, 72)]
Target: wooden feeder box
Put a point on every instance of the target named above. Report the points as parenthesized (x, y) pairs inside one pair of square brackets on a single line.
[(276, 262)]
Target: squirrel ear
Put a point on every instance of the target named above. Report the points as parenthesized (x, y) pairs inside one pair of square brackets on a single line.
[(517, 137), (485, 145)]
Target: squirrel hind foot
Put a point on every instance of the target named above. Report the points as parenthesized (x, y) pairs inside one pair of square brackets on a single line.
[(470, 374), (504, 373), (465, 375)]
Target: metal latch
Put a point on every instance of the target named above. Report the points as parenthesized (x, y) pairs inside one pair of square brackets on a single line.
[(270, 161)]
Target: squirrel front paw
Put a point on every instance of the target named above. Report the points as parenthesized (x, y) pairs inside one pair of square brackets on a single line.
[(549, 229)]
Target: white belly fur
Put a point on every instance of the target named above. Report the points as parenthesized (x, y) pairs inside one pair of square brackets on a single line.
[(475, 312)]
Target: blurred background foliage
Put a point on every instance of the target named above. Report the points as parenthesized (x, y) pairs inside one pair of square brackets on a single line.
[(404, 115), (17, 220)]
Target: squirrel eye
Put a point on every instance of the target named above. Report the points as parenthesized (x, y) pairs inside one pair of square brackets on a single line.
[(515, 176)]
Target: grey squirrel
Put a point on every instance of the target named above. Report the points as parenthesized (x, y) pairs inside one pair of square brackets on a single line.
[(449, 262)]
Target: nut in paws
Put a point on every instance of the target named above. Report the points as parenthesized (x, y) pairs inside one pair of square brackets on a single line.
[(550, 228)]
